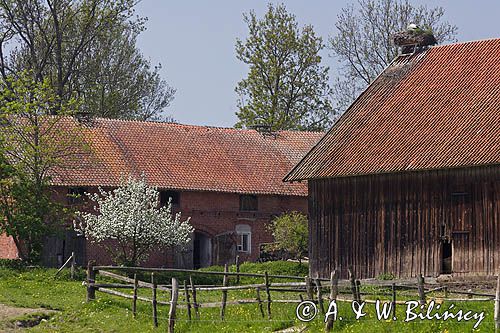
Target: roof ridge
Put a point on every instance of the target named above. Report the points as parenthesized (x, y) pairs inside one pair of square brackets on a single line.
[(466, 42), (164, 123)]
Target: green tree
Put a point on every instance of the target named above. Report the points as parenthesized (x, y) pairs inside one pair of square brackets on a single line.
[(33, 144), (87, 50), (286, 87), (362, 42), (118, 82), (290, 231)]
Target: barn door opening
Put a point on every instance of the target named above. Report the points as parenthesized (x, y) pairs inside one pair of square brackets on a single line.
[(446, 257), (58, 248), (202, 250)]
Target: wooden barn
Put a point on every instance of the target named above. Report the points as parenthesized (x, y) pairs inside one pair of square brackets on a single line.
[(408, 179)]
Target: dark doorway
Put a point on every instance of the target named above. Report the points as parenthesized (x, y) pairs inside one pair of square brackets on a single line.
[(58, 248), (202, 250), (446, 257)]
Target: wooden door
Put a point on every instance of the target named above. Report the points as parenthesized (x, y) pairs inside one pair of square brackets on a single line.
[(224, 248), (461, 226)]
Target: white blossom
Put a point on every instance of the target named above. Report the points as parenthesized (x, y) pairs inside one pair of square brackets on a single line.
[(130, 215)]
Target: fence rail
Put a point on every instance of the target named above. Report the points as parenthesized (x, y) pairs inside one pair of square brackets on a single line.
[(313, 288), (194, 272)]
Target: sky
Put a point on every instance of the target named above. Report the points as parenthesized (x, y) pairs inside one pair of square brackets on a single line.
[(195, 43)]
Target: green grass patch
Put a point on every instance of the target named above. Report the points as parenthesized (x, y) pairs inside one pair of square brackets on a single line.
[(37, 288)]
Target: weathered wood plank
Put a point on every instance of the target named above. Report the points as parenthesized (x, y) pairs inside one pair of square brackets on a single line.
[(391, 223)]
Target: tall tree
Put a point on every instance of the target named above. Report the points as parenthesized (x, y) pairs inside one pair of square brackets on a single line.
[(118, 82), (33, 145), (287, 86), (69, 42), (362, 42)]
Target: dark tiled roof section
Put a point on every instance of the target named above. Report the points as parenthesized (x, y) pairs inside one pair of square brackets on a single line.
[(437, 109)]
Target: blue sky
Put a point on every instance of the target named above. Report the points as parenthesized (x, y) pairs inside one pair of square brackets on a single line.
[(194, 41)]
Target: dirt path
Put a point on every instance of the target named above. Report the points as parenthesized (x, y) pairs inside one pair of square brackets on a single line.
[(7, 313)]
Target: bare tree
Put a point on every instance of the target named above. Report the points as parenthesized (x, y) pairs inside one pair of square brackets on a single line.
[(362, 42)]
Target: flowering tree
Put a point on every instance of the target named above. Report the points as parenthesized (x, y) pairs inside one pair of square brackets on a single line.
[(130, 215)]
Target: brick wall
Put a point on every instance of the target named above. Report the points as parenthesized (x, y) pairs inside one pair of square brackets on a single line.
[(215, 213), (212, 213), (8, 249)]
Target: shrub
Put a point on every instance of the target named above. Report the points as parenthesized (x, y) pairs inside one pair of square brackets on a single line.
[(290, 231), (17, 264)]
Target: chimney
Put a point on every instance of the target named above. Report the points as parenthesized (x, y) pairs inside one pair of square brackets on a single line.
[(265, 130)]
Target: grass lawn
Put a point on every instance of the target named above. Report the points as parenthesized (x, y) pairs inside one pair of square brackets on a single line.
[(37, 288)]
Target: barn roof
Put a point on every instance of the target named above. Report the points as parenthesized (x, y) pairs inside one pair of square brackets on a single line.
[(186, 157), (436, 109)]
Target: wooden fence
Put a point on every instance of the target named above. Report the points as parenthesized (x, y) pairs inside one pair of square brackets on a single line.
[(312, 288)]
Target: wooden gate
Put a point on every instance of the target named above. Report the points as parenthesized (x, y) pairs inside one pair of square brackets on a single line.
[(224, 248)]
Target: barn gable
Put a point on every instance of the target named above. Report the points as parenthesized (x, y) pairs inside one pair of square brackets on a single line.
[(407, 182), (436, 109)]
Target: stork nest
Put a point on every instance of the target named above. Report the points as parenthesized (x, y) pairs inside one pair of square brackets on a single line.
[(420, 38)]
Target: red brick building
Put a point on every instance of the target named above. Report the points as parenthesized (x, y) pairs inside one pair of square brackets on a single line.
[(228, 181)]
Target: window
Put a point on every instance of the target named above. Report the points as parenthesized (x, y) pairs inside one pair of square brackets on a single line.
[(248, 203), (244, 243), (244, 238), (166, 195), (76, 195)]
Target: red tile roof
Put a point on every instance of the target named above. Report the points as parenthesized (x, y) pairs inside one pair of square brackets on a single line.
[(186, 157), (436, 109)]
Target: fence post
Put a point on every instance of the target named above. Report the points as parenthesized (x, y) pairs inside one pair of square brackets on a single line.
[(268, 292), (134, 299), (394, 301), (259, 300), (224, 293), (90, 281), (320, 295), (334, 285), (358, 290), (421, 290), (497, 304), (352, 279), (334, 282), (153, 301), (73, 264), (309, 292), (173, 305), (186, 294), (195, 302), (237, 269)]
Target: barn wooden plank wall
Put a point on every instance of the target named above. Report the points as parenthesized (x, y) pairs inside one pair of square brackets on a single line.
[(396, 223)]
